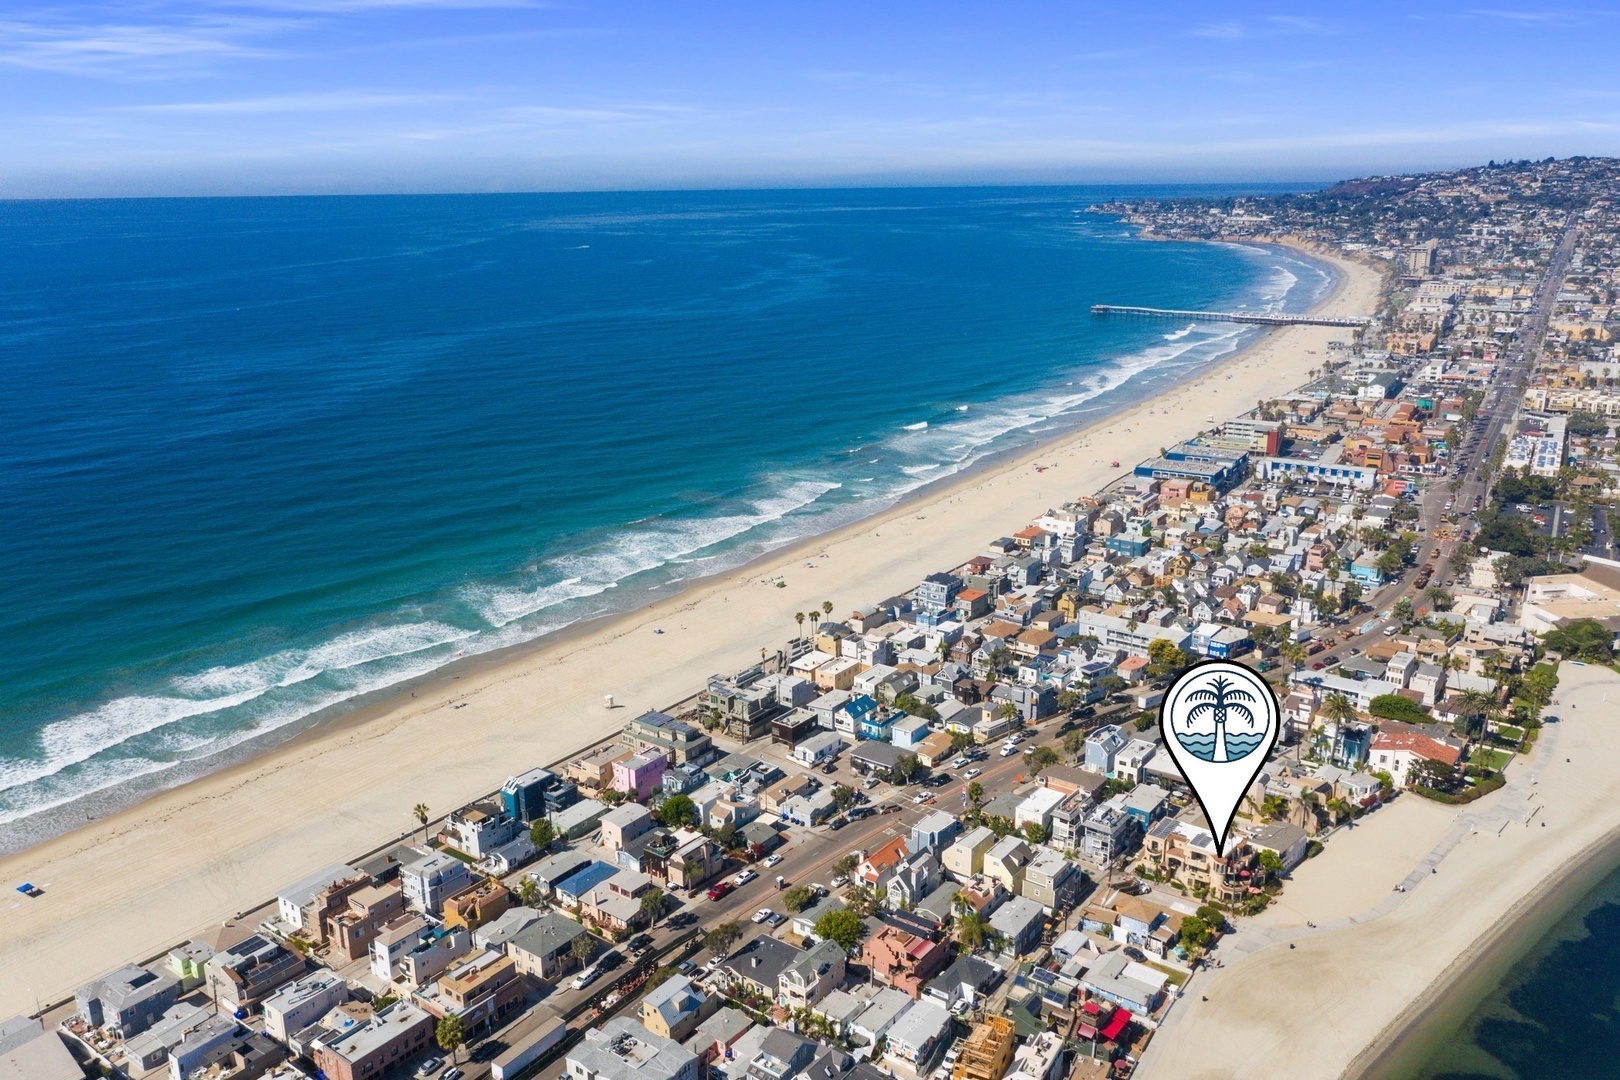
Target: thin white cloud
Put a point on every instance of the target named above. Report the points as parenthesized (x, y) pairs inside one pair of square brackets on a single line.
[(337, 101), (113, 47)]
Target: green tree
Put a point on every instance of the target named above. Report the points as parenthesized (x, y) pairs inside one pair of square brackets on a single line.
[(1073, 742), (972, 930), (1195, 933), (658, 978), (1434, 775), (844, 927), (1396, 707), (1008, 711), (1165, 659), (844, 866), (528, 892), (906, 766), (975, 792), (652, 904), (1582, 639), (1042, 757), (843, 797), (798, 898), (583, 947), (1274, 807), (542, 833), (420, 813), (721, 937), (798, 617), (448, 1034), (1338, 708), (677, 811), (1271, 863), (960, 741), (826, 607), (1035, 832)]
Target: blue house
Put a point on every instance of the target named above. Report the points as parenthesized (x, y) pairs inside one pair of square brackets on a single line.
[(1102, 746), (1365, 570), (570, 889), (1127, 544)]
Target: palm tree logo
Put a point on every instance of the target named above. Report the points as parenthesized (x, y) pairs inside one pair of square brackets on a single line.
[(1218, 703)]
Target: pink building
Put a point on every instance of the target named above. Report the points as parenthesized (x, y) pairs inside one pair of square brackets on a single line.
[(639, 775)]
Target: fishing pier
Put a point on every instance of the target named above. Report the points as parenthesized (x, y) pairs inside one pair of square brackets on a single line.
[(1257, 317)]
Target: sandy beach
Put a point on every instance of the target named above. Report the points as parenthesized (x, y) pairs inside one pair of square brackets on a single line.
[(133, 883), (1479, 879)]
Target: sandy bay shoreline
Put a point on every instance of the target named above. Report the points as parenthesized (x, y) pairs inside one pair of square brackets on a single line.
[(141, 878), (1382, 974)]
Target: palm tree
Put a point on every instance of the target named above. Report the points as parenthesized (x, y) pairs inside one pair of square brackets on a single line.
[(420, 813), (826, 607), (1338, 708), (814, 617), (798, 617), (972, 928), (1475, 705)]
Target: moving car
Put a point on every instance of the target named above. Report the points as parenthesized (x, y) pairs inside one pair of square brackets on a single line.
[(971, 773), (773, 860)]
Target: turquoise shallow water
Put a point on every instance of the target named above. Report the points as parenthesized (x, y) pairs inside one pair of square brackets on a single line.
[(261, 457)]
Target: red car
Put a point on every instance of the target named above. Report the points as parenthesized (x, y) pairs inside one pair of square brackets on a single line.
[(1318, 666), (717, 891)]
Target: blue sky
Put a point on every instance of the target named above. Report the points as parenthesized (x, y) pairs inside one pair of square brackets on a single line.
[(159, 97)]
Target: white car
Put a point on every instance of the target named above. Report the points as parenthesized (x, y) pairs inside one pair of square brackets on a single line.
[(744, 877), (1008, 751), (585, 978), (774, 860), (959, 763), (971, 773), (761, 915)]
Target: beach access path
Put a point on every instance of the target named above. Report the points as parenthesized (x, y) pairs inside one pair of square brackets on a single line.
[(131, 884), (1377, 957)]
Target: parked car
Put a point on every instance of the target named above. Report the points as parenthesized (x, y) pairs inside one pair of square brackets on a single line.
[(776, 919), (745, 876), (773, 860), (430, 1066), (1008, 751), (582, 980), (686, 967), (1135, 953), (720, 889), (640, 943), (453, 1074), (837, 823), (761, 915)]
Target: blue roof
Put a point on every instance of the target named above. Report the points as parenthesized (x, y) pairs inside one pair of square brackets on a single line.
[(585, 879)]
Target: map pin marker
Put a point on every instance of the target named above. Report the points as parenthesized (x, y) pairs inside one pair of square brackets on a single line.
[(1220, 721)]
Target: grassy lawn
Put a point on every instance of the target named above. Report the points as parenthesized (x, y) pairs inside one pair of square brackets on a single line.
[(1494, 760)]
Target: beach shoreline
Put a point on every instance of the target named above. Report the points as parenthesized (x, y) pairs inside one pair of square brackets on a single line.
[(190, 855), (1414, 1036), (1346, 977), (28, 831)]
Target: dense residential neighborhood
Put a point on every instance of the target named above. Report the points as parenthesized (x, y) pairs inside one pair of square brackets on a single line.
[(935, 834)]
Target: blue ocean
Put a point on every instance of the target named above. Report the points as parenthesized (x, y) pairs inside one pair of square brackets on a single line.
[(260, 458)]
